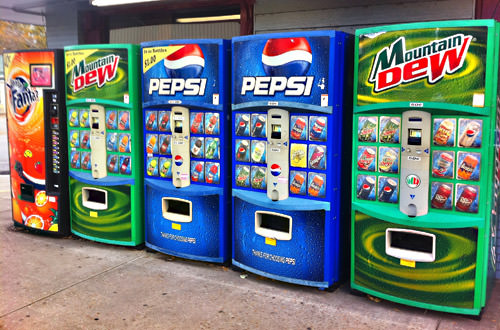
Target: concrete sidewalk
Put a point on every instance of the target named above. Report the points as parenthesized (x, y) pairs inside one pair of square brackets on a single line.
[(71, 283)]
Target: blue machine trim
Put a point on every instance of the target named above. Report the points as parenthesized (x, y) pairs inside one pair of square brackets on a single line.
[(191, 190), (286, 35), (289, 204), (86, 177), (282, 104), (184, 255), (281, 278)]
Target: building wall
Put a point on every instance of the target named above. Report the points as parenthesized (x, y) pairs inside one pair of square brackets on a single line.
[(62, 26)]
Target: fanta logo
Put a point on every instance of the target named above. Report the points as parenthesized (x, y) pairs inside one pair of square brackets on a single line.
[(275, 169), (285, 61), (413, 181), (97, 72), (23, 98), (178, 160), (394, 65)]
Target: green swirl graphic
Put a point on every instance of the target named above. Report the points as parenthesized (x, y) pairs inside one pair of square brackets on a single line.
[(456, 88), (114, 223), (448, 281)]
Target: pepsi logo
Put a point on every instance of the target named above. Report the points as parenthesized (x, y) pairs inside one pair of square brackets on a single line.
[(286, 57), (178, 160), (275, 169), (187, 62)]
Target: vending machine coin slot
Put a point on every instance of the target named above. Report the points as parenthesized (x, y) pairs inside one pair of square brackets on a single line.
[(94, 198), (176, 209), (98, 141), (410, 244), (273, 225), (415, 155), (277, 153), (180, 147)]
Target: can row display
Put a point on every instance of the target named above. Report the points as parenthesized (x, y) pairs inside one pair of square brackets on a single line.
[(199, 122), (115, 119), (208, 172)]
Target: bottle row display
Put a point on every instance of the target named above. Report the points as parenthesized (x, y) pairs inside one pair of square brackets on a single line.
[(117, 164), (199, 122), (201, 172), (200, 147), (115, 119)]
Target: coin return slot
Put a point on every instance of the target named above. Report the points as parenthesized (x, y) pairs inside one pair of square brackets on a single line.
[(176, 209), (95, 199), (410, 244), (273, 225)]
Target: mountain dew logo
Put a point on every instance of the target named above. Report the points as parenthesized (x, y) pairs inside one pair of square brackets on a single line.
[(97, 72), (395, 65), (413, 181)]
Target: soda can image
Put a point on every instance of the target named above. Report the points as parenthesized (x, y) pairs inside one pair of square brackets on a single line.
[(212, 148), (470, 133), (298, 126), (212, 123), (74, 139), (111, 139), (366, 187), (75, 159), (444, 131), (466, 198), (258, 177), (388, 189), (124, 121), (164, 121), (259, 125), (197, 147), (113, 163), (212, 173), (151, 120), (388, 160), (469, 166), (242, 175), (197, 171), (124, 143), (318, 130), (86, 161), (196, 122), (298, 182), (152, 166), (84, 118), (298, 153), (165, 167), (73, 118), (164, 148), (258, 151), (151, 143), (242, 124), (367, 129), (125, 165), (85, 139), (317, 159), (316, 184), (389, 129), (441, 193), (242, 153), (111, 119), (442, 164), (366, 158)]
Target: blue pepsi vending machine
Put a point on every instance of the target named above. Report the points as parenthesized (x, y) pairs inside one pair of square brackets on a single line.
[(288, 111), (185, 108)]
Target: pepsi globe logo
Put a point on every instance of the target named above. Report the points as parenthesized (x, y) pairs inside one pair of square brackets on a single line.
[(178, 160), (187, 62), (23, 98), (286, 57), (275, 169)]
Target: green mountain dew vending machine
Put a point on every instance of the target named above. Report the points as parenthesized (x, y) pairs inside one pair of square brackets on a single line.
[(105, 143), (425, 163)]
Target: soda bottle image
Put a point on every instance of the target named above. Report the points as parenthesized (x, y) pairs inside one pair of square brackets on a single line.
[(317, 156), (212, 174), (195, 150), (242, 125), (212, 147), (317, 129), (164, 169), (151, 144), (164, 121), (195, 126), (124, 167), (110, 124), (212, 123), (124, 143), (297, 182), (441, 196), (366, 188), (315, 186), (469, 134), (85, 141), (151, 120), (73, 120), (259, 126), (122, 124), (258, 151), (467, 167), (84, 119), (74, 139), (151, 167), (242, 151), (196, 173), (366, 159), (258, 178), (466, 199), (164, 145), (444, 132), (74, 159), (242, 176), (112, 142), (386, 193), (298, 128), (86, 161), (112, 163)]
